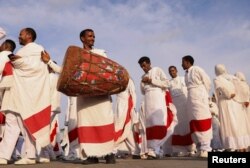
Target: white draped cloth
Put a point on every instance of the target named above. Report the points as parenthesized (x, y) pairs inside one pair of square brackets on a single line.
[(96, 123), (198, 85), (6, 72), (141, 130), (71, 122), (233, 121), (156, 110), (30, 96), (125, 118), (54, 94), (6, 80), (124, 112)]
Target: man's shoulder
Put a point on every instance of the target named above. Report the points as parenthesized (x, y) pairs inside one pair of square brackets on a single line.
[(35, 45), (32, 46), (156, 68), (197, 68), (4, 55)]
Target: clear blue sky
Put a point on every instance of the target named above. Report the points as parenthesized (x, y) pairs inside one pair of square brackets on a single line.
[(212, 31)]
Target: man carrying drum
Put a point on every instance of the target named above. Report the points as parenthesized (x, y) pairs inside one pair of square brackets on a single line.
[(95, 114)]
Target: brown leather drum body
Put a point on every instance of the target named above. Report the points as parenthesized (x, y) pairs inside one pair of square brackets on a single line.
[(87, 74)]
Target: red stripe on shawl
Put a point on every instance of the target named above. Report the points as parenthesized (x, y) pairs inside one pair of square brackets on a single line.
[(127, 120), (182, 140), (96, 134), (38, 121), (200, 125), (2, 118), (7, 69), (53, 132), (168, 98), (195, 126), (159, 132), (73, 134)]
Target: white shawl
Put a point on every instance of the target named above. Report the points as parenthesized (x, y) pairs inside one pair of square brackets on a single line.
[(30, 94)]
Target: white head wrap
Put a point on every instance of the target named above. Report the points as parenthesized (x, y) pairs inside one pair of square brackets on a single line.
[(2, 33), (240, 76), (220, 69)]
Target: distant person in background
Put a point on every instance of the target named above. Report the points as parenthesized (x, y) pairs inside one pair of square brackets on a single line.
[(233, 122), (181, 145), (243, 98), (216, 141), (198, 84)]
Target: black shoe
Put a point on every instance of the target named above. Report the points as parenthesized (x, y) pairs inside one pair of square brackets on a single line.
[(151, 157), (91, 160), (136, 157), (110, 159)]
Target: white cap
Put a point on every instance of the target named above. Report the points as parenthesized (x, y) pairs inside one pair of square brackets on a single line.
[(2, 33)]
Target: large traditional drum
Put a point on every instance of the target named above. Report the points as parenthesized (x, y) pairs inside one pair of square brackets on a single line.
[(88, 74)]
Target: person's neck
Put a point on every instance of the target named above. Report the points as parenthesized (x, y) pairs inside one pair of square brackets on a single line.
[(28, 43), (88, 48)]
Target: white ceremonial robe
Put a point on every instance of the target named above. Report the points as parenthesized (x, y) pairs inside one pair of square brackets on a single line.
[(198, 85), (124, 113), (178, 91), (242, 97), (124, 107), (140, 132), (71, 122), (6, 80), (155, 110), (233, 123), (96, 123), (30, 96), (54, 94)]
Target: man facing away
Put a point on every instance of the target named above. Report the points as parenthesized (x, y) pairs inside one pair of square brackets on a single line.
[(198, 85), (95, 115)]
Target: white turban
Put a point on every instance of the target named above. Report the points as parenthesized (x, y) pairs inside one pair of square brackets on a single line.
[(240, 76), (220, 69), (2, 33)]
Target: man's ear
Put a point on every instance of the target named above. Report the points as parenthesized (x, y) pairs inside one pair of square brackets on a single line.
[(82, 39)]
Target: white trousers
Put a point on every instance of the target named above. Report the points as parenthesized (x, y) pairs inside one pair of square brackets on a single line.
[(13, 127), (132, 145)]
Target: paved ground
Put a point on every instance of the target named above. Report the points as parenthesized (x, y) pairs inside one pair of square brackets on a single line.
[(173, 162)]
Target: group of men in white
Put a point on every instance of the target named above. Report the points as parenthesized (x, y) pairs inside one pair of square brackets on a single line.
[(176, 117)]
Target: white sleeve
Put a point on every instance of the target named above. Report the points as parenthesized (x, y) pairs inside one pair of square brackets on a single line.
[(54, 66), (160, 80)]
